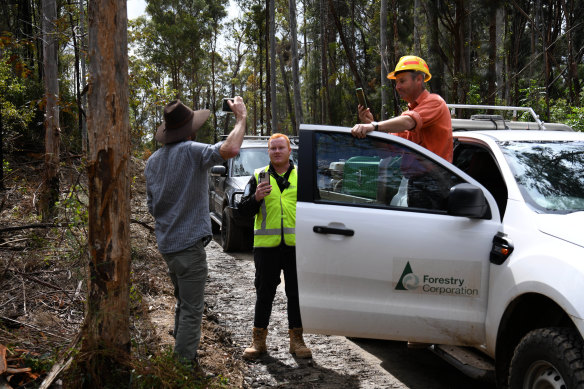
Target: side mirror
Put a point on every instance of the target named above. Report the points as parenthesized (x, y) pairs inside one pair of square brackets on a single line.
[(219, 170), (467, 200)]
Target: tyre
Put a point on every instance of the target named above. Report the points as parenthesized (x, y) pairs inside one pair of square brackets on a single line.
[(232, 238), (215, 227), (548, 358)]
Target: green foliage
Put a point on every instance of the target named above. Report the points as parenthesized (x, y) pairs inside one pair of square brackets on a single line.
[(74, 208), (19, 92), (165, 371), (39, 363), (562, 112), (6, 167)]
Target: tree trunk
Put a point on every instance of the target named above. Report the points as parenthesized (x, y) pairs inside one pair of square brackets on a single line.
[(105, 349), (395, 54), (214, 93), (50, 192), (435, 59), (234, 75), (500, 65), (77, 71), (268, 71), (286, 87), (347, 47), (83, 95), (272, 36), (383, 57), (492, 71), (306, 61), (295, 70), (572, 74), (324, 63), (460, 69), (261, 31), (417, 23), (2, 187)]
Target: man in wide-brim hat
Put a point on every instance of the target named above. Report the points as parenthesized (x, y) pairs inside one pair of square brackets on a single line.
[(177, 196)]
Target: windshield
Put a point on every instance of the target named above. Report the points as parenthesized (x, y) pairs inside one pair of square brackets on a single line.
[(250, 159), (550, 174)]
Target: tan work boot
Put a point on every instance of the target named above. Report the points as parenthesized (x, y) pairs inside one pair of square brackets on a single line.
[(297, 345), (258, 344)]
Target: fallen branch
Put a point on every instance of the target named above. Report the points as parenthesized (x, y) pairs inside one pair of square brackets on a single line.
[(37, 225), (47, 284), (18, 370), (40, 281), (143, 224), (54, 373), (33, 327), (64, 361)]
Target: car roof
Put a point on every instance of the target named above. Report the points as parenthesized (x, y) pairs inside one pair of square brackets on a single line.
[(522, 135)]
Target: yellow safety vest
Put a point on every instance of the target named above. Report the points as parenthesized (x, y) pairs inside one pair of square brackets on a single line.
[(277, 213)]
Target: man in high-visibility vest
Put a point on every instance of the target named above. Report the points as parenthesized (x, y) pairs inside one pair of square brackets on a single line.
[(270, 195)]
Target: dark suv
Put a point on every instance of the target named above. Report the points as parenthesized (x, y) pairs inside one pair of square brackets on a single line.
[(226, 185)]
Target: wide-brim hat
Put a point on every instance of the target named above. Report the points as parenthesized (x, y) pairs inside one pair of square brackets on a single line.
[(180, 122)]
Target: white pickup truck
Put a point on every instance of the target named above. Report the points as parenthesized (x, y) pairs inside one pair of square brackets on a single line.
[(481, 259)]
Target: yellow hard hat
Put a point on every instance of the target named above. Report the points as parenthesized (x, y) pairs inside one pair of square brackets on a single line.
[(412, 63)]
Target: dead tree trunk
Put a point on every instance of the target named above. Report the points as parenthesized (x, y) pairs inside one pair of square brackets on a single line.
[(105, 348)]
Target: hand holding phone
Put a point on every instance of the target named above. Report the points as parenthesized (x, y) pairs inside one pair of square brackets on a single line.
[(265, 188), (264, 177), (361, 97), (226, 107)]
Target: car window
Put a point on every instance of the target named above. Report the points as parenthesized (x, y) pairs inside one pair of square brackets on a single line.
[(249, 159), (379, 173), (478, 163), (550, 175)]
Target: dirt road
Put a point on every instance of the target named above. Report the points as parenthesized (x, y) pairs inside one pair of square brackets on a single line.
[(337, 361)]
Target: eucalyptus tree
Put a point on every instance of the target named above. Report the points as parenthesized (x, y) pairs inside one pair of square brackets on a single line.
[(383, 56), (272, 39), (176, 30), (50, 193), (298, 116), (103, 360)]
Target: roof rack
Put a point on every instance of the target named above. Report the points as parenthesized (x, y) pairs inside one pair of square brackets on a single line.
[(258, 137), (535, 117), (293, 138)]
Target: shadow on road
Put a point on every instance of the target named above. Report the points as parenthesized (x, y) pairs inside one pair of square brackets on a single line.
[(418, 368)]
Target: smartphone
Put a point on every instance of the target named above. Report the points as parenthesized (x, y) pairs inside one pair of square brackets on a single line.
[(361, 97), (264, 177), (226, 107)]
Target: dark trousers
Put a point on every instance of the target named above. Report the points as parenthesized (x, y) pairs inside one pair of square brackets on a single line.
[(269, 263)]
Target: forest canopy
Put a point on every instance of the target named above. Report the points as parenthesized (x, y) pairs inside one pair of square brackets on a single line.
[(517, 53)]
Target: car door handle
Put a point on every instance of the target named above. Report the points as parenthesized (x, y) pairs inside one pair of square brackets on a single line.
[(332, 230)]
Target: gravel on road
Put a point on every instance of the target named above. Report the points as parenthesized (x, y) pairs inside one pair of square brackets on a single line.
[(336, 363)]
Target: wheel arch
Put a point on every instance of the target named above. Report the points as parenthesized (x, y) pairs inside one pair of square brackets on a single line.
[(527, 312)]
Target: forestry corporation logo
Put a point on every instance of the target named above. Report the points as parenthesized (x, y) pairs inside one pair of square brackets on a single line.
[(408, 280)]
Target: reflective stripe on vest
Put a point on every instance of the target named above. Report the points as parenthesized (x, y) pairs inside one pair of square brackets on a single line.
[(277, 214)]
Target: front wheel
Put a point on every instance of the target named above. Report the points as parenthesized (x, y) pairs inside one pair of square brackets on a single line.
[(548, 358)]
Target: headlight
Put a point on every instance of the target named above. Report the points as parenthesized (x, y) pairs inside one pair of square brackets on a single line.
[(237, 198)]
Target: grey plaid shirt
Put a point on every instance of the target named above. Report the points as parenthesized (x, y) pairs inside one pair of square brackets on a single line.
[(177, 191)]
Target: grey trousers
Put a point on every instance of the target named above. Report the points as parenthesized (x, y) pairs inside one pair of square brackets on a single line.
[(188, 271)]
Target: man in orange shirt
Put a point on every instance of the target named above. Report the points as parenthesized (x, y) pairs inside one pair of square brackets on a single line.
[(427, 120)]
